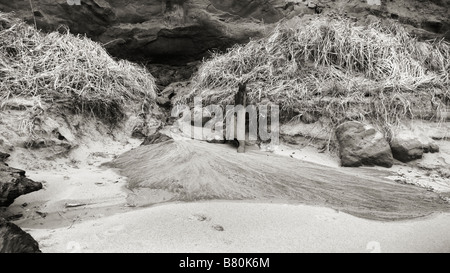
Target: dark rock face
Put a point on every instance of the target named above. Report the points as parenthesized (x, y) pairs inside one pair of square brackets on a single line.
[(13, 184), (14, 240), (162, 31), (361, 144), (179, 31)]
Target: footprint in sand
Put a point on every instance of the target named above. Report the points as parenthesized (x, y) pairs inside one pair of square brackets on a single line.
[(204, 218), (218, 227), (200, 217)]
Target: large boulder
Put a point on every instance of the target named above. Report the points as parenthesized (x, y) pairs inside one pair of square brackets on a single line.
[(14, 240), (13, 184), (407, 146), (361, 144)]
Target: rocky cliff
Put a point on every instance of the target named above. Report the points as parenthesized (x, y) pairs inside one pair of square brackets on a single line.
[(13, 183), (181, 31), (158, 30)]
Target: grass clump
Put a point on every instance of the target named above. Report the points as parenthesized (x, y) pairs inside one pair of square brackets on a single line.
[(70, 72), (334, 68)]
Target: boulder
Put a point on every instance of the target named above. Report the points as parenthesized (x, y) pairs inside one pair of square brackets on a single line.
[(407, 146), (13, 184), (431, 148), (14, 240), (406, 150), (156, 138), (3, 156), (361, 144)]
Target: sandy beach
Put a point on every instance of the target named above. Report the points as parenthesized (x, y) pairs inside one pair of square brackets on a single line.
[(89, 207), (245, 227), (112, 127)]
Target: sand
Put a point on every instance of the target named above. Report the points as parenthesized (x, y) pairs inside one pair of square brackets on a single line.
[(247, 227), (87, 207), (74, 187)]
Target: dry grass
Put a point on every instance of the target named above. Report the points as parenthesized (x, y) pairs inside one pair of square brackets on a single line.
[(71, 72), (333, 68)]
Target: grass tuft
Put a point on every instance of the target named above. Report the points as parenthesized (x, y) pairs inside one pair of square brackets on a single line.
[(70, 72)]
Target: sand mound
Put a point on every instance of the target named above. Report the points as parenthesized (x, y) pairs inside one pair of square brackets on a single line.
[(190, 170)]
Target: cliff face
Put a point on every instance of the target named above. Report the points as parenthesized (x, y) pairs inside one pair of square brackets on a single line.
[(180, 31), (155, 30)]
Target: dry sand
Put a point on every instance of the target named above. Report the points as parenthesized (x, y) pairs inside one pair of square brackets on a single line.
[(75, 188), (245, 227), (107, 221)]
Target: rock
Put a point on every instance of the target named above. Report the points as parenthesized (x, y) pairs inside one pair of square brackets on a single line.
[(14, 240), (406, 150), (145, 125), (140, 128), (156, 138), (3, 156), (216, 141), (13, 183), (200, 117), (431, 148), (299, 10), (5, 144), (163, 101), (181, 31), (172, 75), (361, 144), (408, 145), (311, 5), (161, 31)]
